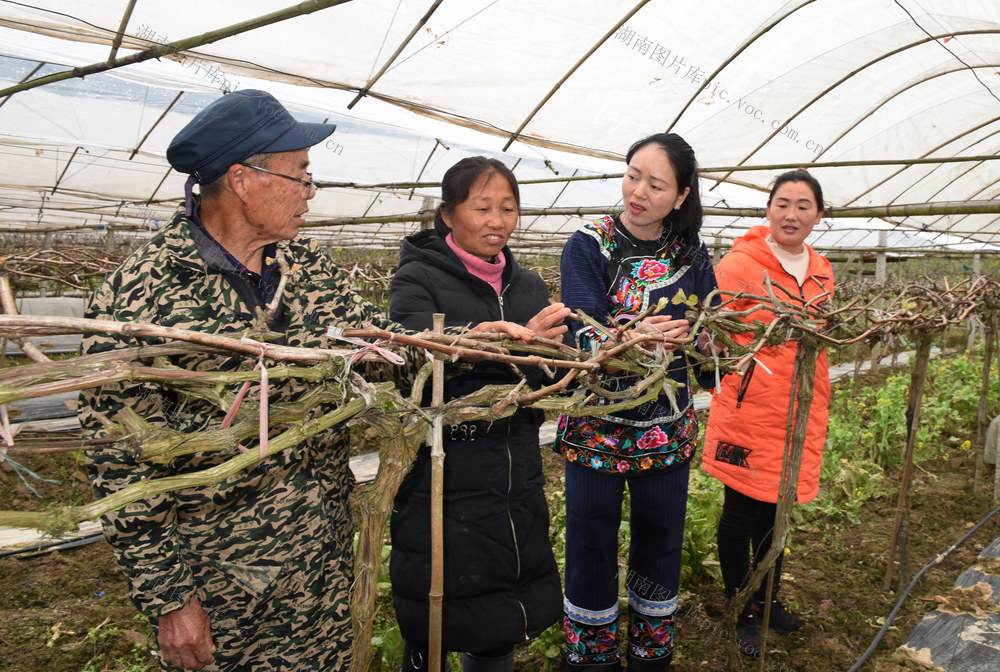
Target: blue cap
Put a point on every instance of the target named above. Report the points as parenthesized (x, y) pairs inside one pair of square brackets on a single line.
[(234, 128)]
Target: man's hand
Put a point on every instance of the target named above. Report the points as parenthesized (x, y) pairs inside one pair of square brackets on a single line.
[(186, 637)]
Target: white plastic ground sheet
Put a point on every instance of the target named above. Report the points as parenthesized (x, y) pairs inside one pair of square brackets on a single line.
[(560, 88)]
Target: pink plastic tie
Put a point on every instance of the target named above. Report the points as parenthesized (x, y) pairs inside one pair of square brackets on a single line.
[(264, 390), (391, 357)]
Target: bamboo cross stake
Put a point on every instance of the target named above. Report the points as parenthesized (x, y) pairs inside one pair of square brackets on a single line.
[(436, 596), (10, 308), (984, 393)]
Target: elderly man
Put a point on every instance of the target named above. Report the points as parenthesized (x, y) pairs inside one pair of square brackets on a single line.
[(253, 573)]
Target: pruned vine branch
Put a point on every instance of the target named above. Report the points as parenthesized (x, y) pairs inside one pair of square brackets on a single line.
[(871, 313)]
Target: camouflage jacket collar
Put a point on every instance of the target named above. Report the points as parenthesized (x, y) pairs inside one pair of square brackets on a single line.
[(181, 248)]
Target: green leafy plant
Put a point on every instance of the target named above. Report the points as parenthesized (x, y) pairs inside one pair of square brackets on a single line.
[(700, 563), (867, 433)]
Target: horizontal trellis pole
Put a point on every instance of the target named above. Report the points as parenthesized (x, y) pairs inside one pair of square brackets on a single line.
[(868, 211), (300, 9), (702, 170), (529, 243)]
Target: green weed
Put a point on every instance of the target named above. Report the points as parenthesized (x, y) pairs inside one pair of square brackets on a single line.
[(867, 434)]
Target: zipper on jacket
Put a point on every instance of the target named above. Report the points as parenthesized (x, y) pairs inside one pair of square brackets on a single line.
[(802, 295), (745, 382), (513, 531)]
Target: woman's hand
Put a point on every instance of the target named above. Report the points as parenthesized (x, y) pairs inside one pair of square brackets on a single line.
[(512, 329), (665, 325), (549, 322), (708, 346)]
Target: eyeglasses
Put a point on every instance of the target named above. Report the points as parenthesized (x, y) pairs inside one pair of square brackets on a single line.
[(308, 183)]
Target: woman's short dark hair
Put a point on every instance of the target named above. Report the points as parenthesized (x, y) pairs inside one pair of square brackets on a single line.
[(458, 181), (684, 223), (799, 175)]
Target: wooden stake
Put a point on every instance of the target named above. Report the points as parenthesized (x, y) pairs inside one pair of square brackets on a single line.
[(876, 358), (803, 384), (899, 528), (984, 393)]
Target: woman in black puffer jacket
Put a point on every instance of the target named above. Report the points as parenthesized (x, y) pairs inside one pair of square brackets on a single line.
[(501, 583)]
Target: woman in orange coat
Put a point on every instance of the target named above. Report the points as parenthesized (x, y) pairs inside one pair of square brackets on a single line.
[(745, 438)]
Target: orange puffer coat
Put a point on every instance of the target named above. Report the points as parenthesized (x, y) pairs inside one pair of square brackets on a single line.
[(745, 438)]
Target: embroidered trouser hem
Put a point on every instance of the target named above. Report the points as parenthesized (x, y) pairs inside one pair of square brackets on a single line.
[(591, 636), (651, 629)]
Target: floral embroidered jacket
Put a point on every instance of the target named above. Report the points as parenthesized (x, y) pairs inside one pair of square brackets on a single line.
[(612, 276)]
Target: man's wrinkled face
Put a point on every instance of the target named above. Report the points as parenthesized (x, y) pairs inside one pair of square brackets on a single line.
[(275, 204)]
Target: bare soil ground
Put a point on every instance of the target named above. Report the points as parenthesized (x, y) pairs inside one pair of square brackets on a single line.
[(834, 574)]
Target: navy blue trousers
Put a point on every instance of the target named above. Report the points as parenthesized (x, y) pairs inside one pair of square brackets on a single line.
[(593, 516)]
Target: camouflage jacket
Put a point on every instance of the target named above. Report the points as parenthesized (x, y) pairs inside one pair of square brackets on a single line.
[(241, 531)]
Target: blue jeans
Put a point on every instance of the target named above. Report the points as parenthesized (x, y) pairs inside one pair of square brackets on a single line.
[(593, 516)]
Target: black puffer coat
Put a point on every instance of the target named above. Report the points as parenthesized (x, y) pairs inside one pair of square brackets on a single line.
[(501, 584)]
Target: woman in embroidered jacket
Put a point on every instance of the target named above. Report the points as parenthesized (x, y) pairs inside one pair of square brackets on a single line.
[(745, 437), (613, 269)]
